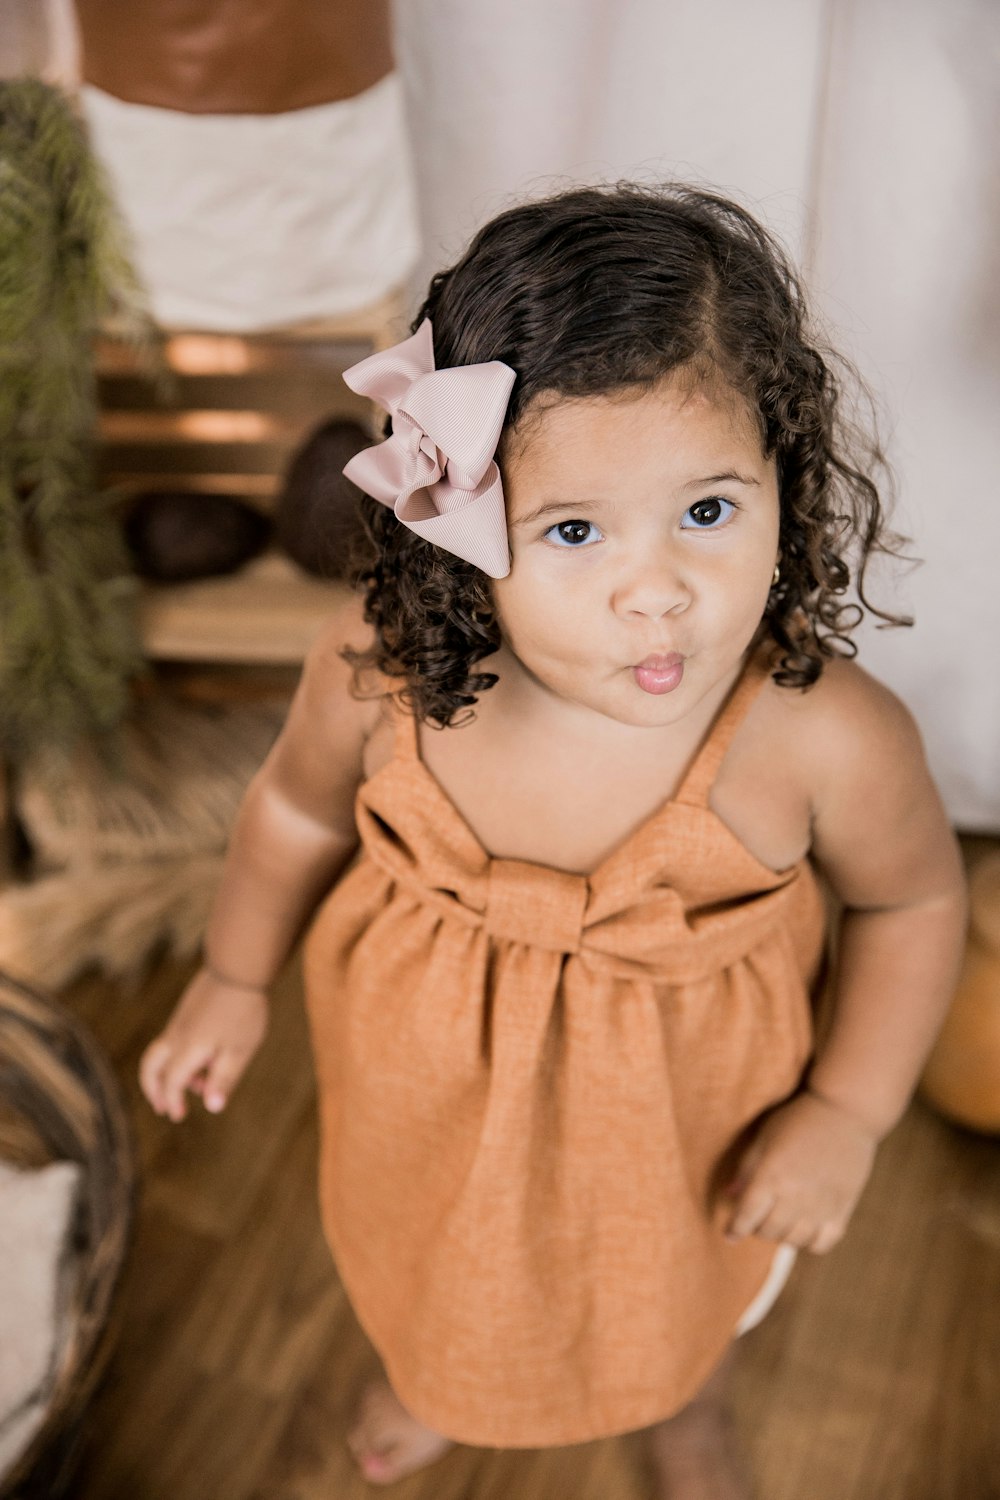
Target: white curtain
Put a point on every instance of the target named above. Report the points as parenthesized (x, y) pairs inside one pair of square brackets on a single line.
[(908, 270), (865, 132), (529, 95)]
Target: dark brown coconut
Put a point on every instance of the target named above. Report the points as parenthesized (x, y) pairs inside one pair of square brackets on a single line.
[(317, 520), (177, 537)]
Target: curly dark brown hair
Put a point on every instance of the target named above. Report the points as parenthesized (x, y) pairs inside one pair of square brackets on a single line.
[(605, 289)]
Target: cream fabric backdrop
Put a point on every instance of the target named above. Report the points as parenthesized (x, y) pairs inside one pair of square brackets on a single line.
[(865, 133), (908, 267), (530, 94)]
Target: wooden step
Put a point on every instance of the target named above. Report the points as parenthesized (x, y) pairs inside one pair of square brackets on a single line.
[(140, 459), (229, 423), (154, 426), (336, 342), (259, 489), (301, 394), (217, 355), (270, 611)]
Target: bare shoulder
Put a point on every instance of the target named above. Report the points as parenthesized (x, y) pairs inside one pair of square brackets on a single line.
[(846, 719), (879, 828), (316, 764), (329, 686)]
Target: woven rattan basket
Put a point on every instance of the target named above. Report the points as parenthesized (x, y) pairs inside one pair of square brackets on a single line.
[(60, 1101)]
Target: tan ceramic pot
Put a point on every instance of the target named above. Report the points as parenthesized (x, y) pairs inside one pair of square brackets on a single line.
[(962, 1076)]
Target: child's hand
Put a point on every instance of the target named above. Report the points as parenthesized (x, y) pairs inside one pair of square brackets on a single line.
[(801, 1176), (206, 1045)]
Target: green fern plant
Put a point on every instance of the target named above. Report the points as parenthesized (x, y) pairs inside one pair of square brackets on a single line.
[(69, 645)]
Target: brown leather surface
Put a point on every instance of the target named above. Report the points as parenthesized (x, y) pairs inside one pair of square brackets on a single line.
[(234, 56)]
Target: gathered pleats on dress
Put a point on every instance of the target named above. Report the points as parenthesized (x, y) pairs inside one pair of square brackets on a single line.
[(531, 1084)]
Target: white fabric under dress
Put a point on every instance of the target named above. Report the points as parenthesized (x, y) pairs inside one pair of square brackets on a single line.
[(244, 222)]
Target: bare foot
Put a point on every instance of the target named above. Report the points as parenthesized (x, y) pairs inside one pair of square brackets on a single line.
[(386, 1441), (697, 1454)]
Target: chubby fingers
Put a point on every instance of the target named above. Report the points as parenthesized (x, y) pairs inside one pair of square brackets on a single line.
[(221, 1078), (166, 1070), (152, 1066), (826, 1237), (754, 1207), (760, 1213)]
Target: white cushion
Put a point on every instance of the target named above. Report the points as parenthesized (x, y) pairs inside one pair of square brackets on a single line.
[(35, 1214)]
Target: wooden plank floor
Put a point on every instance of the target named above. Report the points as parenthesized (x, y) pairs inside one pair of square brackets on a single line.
[(875, 1377)]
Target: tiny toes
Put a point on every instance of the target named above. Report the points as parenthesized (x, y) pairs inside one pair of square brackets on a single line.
[(375, 1465), (386, 1442)]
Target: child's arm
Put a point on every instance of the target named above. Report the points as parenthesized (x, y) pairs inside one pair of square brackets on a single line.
[(882, 837), (293, 836)]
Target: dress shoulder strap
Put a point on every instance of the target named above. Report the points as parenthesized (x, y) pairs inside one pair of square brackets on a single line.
[(700, 776), (388, 690), (406, 745)]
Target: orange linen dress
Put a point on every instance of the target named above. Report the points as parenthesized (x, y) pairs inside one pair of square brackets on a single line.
[(531, 1085)]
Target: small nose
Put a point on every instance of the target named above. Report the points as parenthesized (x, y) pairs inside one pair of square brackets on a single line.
[(652, 584)]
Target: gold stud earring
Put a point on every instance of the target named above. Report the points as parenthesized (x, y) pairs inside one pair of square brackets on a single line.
[(776, 574)]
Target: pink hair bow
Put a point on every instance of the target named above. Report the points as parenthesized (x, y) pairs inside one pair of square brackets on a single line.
[(437, 468)]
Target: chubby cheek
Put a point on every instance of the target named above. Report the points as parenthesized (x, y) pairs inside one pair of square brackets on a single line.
[(728, 594), (745, 601), (544, 623)]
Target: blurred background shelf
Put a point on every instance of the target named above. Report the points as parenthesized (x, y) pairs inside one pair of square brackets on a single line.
[(236, 410), (269, 612)]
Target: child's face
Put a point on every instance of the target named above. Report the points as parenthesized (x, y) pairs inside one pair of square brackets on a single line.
[(659, 538)]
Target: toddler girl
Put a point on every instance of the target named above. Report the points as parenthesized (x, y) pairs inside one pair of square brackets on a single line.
[(576, 1116)]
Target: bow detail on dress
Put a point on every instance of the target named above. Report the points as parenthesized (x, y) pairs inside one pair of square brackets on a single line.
[(437, 468)]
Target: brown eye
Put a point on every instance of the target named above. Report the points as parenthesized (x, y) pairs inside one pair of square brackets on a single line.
[(571, 533), (708, 512)]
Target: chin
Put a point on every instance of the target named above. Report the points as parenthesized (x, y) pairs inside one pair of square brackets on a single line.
[(656, 712), (641, 710)]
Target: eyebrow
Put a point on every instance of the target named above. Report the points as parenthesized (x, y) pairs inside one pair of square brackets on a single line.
[(550, 506), (730, 475)]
